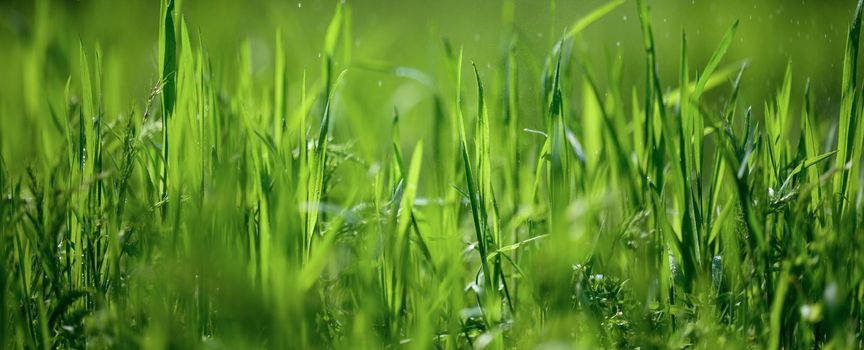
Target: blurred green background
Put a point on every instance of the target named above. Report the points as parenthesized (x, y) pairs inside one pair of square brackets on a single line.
[(407, 33)]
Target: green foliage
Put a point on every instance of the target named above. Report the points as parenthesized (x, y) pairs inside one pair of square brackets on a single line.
[(589, 215)]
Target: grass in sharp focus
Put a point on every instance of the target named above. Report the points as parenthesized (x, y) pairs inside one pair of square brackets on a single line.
[(242, 202)]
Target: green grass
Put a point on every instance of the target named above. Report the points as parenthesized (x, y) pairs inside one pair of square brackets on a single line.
[(542, 203)]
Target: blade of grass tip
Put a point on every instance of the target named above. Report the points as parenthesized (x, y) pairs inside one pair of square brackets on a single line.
[(731, 106), (810, 147), (658, 129), (86, 112), (847, 130), (747, 147), (591, 17), (304, 165), (396, 143), (654, 137), (280, 85), (719, 77), (775, 129), (516, 245), (488, 202), (324, 131), (542, 157), (695, 139), (718, 173), (714, 61), (482, 155), (168, 74), (168, 56), (559, 196), (805, 165), (690, 226), (317, 165), (99, 111), (330, 40), (458, 100), (410, 192), (469, 176), (333, 29), (68, 127), (397, 257), (739, 159)]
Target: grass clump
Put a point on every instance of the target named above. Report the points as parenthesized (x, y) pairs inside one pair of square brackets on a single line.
[(548, 205)]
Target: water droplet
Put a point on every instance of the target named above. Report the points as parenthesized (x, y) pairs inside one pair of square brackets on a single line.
[(625, 17), (618, 43), (380, 83), (299, 5)]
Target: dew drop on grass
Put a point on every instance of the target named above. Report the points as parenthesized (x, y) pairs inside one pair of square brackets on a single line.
[(625, 18), (299, 5), (379, 84)]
